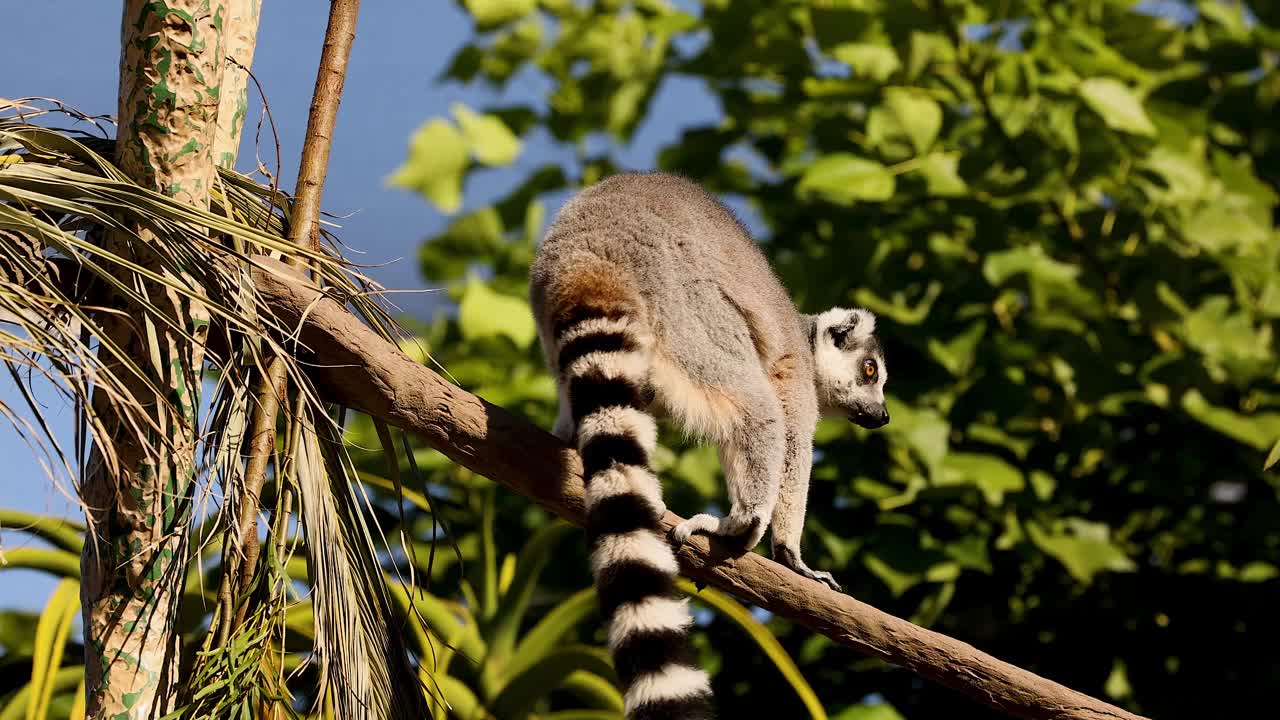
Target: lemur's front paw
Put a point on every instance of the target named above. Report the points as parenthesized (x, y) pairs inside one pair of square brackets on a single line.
[(791, 558), (743, 529)]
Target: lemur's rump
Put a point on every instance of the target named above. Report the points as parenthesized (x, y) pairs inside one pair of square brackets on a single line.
[(649, 295)]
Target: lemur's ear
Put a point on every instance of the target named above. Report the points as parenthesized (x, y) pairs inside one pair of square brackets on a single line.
[(842, 331)]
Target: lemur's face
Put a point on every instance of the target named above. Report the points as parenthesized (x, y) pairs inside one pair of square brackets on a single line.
[(849, 366)]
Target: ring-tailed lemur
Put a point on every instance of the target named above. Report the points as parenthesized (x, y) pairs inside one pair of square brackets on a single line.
[(648, 292)]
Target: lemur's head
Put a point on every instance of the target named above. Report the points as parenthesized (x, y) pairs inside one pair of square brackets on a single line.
[(849, 366)]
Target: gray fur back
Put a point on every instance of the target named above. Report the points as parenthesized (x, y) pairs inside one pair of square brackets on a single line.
[(706, 286)]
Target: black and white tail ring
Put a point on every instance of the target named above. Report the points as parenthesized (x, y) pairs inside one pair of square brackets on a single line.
[(605, 362)]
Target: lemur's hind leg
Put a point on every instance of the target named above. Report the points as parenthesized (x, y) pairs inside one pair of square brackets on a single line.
[(751, 455), (788, 514)]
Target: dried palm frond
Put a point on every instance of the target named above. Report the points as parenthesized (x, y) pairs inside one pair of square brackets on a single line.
[(59, 194)]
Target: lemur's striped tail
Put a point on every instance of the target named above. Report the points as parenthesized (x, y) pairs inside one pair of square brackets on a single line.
[(603, 354)]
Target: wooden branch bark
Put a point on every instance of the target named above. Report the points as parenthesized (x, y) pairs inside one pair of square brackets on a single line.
[(359, 369)]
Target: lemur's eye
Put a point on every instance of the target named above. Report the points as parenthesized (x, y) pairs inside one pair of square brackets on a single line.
[(869, 368)]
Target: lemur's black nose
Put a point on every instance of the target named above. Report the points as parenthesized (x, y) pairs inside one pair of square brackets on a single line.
[(871, 418)]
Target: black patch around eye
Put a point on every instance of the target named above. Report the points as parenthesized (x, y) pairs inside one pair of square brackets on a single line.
[(863, 377)]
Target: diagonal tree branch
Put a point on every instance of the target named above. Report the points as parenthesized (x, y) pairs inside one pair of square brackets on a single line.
[(363, 371)]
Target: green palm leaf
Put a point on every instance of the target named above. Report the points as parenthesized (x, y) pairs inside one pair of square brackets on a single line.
[(552, 669), (756, 630)]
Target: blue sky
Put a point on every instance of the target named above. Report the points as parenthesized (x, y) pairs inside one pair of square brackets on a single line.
[(400, 48)]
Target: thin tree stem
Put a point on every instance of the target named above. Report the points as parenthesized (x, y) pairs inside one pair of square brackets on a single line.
[(304, 230)]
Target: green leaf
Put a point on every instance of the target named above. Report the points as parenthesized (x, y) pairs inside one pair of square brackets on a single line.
[(532, 560), (1031, 260), (1085, 552), (1183, 176), (842, 178), (57, 562), (1220, 228), (942, 175), (437, 159), (700, 467), (462, 701), (1120, 108), (956, 354), (903, 567), (484, 313), (970, 552), (489, 13), (535, 682), (1257, 431), (62, 533), (764, 639), (448, 256), (18, 704), (923, 430), (1047, 279), (594, 691), (991, 475), (1257, 571), (874, 62), (1060, 122), (555, 625), (898, 582), (1232, 348), (897, 309), (919, 115), (1117, 685), (52, 631), (878, 711), (490, 140), (1272, 457), (623, 106), (18, 632)]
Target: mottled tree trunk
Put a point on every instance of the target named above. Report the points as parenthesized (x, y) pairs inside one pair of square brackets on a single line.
[(241, 33), (139, 492)]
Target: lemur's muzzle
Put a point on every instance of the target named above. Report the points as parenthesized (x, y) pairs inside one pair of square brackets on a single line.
[(876, 416)]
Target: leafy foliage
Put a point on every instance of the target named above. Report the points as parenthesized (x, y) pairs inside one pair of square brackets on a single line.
[(1064, 214)]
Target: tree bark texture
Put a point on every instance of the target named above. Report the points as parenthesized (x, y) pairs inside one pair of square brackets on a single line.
[(356, 367), (240, 39), (137, 489), (321, 121)]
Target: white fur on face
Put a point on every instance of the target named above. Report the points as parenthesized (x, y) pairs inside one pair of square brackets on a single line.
[(865, 327), (838, 370)]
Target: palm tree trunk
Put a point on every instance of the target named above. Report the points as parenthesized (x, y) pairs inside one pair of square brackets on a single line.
[(138, 487), (233, 96)]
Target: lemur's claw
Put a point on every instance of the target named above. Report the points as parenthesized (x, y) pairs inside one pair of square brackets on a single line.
[(791, 559), (825, 578)]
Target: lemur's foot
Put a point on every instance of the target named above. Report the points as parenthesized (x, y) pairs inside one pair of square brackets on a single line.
[(740, 528), (791, 558)]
